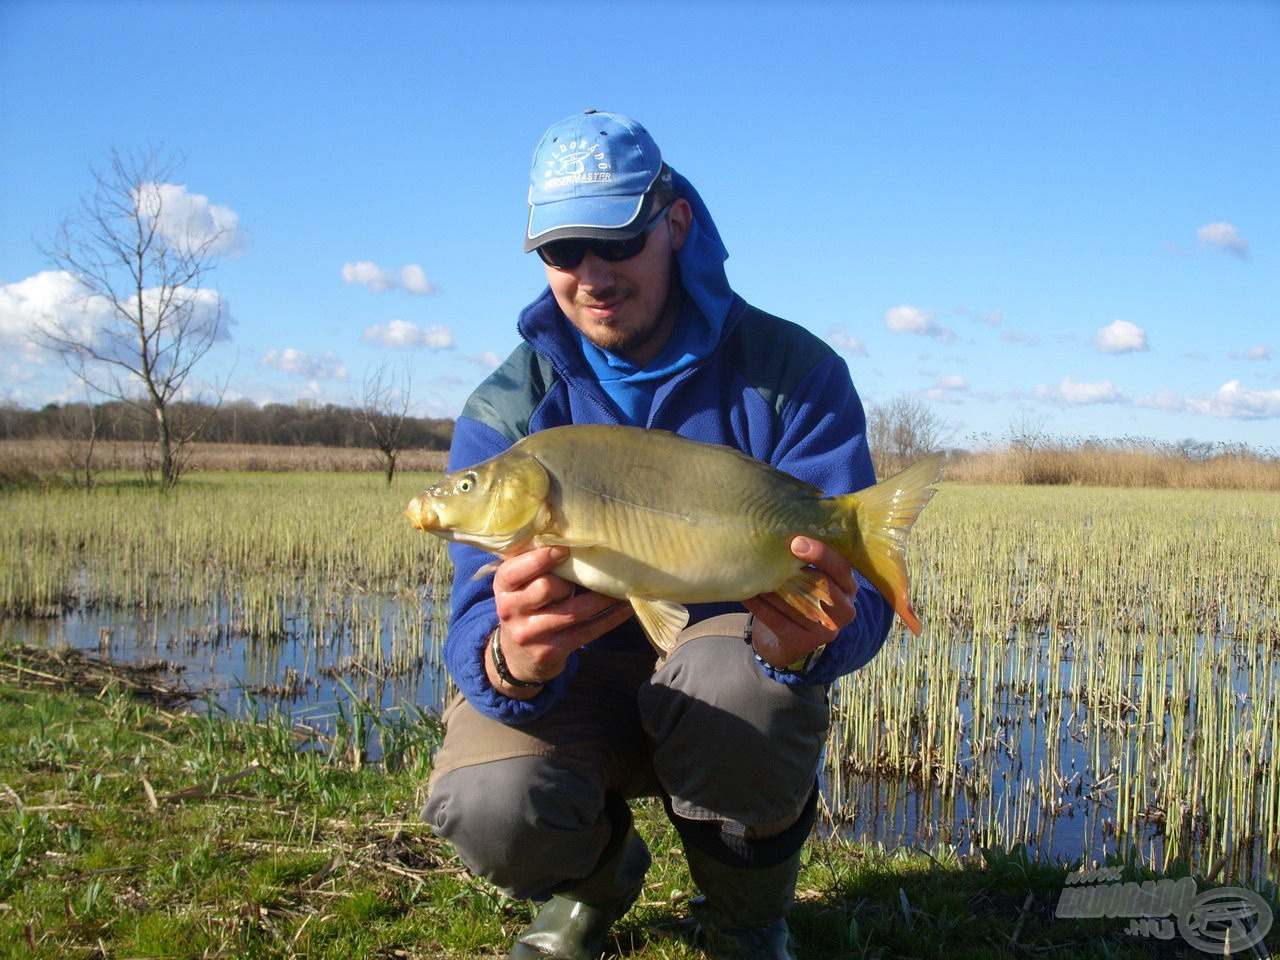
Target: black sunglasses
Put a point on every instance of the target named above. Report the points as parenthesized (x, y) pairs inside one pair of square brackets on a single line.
[(567, 254)]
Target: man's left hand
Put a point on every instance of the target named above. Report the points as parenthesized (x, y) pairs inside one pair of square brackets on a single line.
[(782, 634)]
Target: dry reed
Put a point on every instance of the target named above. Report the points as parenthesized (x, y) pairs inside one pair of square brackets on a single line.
[(1130, 463), (1105, 656)]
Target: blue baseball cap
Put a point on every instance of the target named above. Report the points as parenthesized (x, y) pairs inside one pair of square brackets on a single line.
[(596, 176)]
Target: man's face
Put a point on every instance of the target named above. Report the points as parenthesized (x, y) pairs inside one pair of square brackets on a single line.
[(624, 306)]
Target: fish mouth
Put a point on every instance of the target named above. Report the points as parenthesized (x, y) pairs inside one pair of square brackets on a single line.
[(421, 516)]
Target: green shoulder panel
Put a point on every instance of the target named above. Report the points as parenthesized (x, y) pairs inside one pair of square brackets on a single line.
[(774, 355), (507, 398)]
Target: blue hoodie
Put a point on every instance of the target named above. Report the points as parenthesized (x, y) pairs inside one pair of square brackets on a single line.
[(732, 375)]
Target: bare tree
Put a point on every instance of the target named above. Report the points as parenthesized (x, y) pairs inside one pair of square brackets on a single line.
[(384, 407), (145, 319), (77, 426), (902, 431)]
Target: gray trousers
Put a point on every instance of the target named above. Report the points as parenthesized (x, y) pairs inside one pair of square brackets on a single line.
[(733, 753)]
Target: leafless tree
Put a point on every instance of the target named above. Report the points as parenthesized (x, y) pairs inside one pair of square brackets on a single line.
[(384, 407), (902, 431), (146, 319), (78, 427)]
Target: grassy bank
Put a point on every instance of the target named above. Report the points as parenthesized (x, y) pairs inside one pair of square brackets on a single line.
[(129, 829)]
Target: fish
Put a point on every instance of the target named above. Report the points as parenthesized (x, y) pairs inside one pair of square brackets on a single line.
[(662, 521)]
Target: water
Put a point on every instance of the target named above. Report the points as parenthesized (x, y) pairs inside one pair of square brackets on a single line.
[(1170, 758), (313, 673), (1035, 758)]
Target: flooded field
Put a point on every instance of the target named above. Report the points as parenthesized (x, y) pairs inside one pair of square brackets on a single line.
[(1098, 674)]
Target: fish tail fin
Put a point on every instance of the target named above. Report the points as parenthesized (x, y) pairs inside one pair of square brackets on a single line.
[(877, 521)]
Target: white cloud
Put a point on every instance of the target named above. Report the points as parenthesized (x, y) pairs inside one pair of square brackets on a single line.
[(846, 342), (413, 279), (367, 274), (1163, 399), (948, 389), (908, 319), (364, 273), (487, 359), (1235, 402), (189, 221), (1076, 393), (209, 309), (1223, 236), (401, 334), (1121, 336), (309, 366), (48, 297), (55, 298), (1260, 352)]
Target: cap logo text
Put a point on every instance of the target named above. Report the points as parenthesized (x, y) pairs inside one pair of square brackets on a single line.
[(572, 163)]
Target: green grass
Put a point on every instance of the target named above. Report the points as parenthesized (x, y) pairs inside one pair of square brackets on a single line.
[(129, 831), (1146, 621)]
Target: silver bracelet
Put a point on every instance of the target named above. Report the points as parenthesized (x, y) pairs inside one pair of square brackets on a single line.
[(500, 665)]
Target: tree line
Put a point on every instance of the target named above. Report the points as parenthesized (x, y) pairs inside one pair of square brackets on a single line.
[(305, 423)]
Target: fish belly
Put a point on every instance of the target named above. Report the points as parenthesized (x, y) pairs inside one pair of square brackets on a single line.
[(724, 576)]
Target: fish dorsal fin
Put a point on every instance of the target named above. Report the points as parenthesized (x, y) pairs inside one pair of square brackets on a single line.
[(662, 621), (807, 592)]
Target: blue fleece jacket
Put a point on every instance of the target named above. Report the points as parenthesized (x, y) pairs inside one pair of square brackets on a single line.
[(755, 382)]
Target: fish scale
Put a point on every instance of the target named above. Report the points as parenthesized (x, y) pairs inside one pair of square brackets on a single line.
[(663, 521)]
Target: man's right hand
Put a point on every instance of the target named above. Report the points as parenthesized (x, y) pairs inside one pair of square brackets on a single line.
[(543, 618)]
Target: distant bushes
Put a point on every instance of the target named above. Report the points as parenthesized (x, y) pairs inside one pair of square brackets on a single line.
[(304, 423), (1120, 463)]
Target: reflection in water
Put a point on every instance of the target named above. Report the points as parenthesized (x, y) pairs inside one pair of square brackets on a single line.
[(1037, 738), (1051, 740)]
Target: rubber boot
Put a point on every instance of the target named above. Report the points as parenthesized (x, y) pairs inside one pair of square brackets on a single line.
[(742, 914), (573, 924)]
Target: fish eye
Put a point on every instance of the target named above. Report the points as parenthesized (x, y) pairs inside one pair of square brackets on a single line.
[(466, 484)]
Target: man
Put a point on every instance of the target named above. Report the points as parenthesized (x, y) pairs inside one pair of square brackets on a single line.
[(564, 714)]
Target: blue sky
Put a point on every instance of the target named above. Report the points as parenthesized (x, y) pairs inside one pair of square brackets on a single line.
[(1067, 212)]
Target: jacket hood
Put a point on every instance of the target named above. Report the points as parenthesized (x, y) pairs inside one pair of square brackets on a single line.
[(701, 261)]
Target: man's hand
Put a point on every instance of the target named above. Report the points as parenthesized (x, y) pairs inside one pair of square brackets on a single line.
[(543, 618), (782, 634)]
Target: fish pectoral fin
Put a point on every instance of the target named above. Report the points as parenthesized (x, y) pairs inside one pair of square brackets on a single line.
[(488, 568), (556, 540), (807, 591), (662, 621)]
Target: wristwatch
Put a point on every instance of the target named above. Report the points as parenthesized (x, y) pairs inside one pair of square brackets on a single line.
[(500, 665), (803, 665)]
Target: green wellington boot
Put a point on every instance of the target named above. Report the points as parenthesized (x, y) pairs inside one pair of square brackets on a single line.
[(742, 914), (573, 924)]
